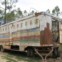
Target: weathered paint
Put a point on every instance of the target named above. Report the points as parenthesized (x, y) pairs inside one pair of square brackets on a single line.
[(27, 35)]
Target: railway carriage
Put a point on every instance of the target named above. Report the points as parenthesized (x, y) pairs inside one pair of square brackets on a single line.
[(38, 30)]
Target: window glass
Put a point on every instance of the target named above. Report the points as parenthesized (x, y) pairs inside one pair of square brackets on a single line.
[(30, 22), (25, 23), (13, 26), (21, 24), (17, 25), (36, 21), (3, 29)]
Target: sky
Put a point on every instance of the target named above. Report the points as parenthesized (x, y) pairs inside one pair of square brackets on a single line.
[(38, 5)]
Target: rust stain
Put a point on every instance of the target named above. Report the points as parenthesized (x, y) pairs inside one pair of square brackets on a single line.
[(46, 36)]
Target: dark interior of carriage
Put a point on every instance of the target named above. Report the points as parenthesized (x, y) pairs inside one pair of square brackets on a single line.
[(55, 31)]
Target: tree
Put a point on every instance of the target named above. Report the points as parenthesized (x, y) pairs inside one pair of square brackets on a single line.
[(56, 11), (53, 11), (10, 16), (48, 11), (0, 11), (8, 6), (25, 12), (32, 12), (19, 12)]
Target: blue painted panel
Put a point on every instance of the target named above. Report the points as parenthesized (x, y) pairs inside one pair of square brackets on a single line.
[(4, 36)]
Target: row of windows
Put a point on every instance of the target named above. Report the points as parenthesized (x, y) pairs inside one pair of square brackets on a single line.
[(21, 24), (26, 23)]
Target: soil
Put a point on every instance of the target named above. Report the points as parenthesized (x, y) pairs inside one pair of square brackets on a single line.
[(8, 57)]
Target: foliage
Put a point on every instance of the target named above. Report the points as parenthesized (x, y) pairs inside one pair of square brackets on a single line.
[(56, 11), (19, 13), (48, 11), (25, 11), (10, 17), (0, 11)]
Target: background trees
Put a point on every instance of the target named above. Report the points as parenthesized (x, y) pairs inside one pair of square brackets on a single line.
[(56, 11), (8, 14)]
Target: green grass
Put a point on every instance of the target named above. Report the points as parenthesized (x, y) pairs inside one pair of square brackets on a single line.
[(26, 59), (60, 47), (9, 58), (19, 58)]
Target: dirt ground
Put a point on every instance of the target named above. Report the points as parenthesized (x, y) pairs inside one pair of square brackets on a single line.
[(7, 57), (10, 57), (1, 57)]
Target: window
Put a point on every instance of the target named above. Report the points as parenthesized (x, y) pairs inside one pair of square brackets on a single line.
[(21, 24), (36, 21), (55, 25), (3, 29), (25, 23), (12, 25), (30, 22), (17, 25)]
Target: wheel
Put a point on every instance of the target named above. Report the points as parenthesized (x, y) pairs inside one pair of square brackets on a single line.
[(55, 53), (1, 49), (30, 52)]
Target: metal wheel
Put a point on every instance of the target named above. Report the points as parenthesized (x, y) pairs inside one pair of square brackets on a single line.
[(30, 52), (1, 49), (55, 53)]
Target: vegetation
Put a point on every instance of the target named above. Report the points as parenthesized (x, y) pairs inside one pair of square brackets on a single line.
[(17, 13), (10, 16), (8, 13), (56, 11), (48, 11)]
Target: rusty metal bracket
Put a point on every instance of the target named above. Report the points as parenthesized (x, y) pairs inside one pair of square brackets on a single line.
[(44, 57)]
